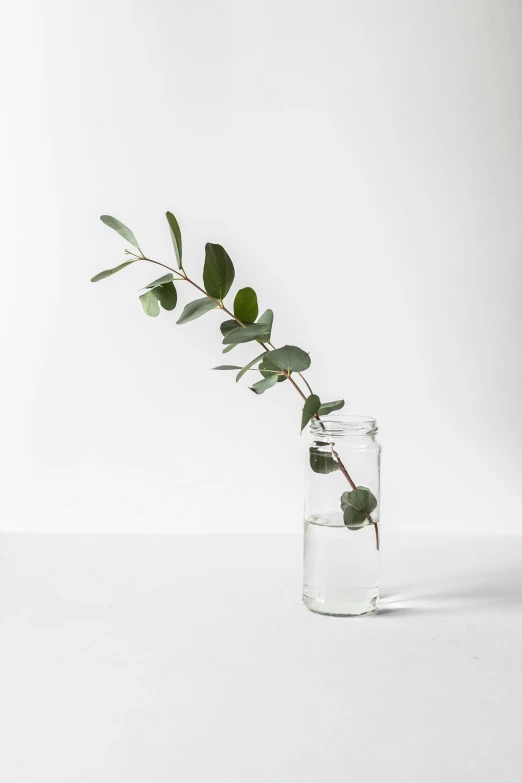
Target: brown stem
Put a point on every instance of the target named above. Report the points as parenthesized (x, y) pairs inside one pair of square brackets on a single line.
[(221, 306), (353, 486)]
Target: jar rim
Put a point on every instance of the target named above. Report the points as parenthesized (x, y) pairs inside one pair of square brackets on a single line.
[(348, 423)]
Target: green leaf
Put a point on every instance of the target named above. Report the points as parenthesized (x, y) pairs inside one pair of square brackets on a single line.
[(109, 272), (196, 309), (227, 367), (228, 326), (175, 233), (122, 230), (310, 408), (354, 519), (149, 302), (329, 407), (357, 505), (261, 386), (361, 498), (167, 295), (245, 334), (218, 272), (266, 368), (161, 280), (267, 318), (248, 366), (322, 461), (245, 305), (290, 359)]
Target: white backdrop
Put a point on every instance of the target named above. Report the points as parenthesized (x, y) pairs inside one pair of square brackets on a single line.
[(362, 164)]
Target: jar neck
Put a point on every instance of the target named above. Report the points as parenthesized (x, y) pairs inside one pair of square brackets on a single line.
[(338, 425)]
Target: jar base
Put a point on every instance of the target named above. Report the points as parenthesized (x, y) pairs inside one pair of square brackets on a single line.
[(341, 608)]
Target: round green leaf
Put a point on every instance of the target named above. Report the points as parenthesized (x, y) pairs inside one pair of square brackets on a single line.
[(354, 519), (227, 367), (218, 272), (196, 309), (167, 295), (122, 230), (109, 272), (290, 359), (361, 499), (245, 305), (322, 461), (175, 234), (357, 505), (149, 302), (266, 369)]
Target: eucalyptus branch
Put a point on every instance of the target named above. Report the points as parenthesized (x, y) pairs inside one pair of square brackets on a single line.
[(221, 306), (245, 325)]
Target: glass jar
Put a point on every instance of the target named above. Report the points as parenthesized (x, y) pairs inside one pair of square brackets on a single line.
[(341, 527)]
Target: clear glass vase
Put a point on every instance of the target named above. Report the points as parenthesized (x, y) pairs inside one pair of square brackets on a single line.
[(341, 527)]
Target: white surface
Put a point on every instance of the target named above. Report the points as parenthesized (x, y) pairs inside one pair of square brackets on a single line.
[(344, 146), (191, 658)]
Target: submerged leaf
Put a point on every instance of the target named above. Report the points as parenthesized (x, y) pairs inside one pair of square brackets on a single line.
[(354, 519), (175, 234), (357, 505), (310, 408), (322, 461), (245, 305), (109, 272), (122, 230), (196, 309), (218, 272)]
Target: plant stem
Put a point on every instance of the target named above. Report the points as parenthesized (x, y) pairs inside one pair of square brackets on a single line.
[(221, 306), (353, 486)]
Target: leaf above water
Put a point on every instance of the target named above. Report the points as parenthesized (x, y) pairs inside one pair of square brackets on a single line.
[(310, 408), (196, 309), (120, 228), (109, 272), (245, 334), (261, 386), (218, 271), (175, 234), (245, 305)]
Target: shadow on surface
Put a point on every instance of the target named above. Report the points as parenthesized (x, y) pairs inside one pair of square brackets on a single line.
[(494, 590)]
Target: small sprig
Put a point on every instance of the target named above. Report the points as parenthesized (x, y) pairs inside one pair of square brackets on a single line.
[(245, 325)]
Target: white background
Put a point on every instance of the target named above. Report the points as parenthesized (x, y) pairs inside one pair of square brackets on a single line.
[(362, 164)]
